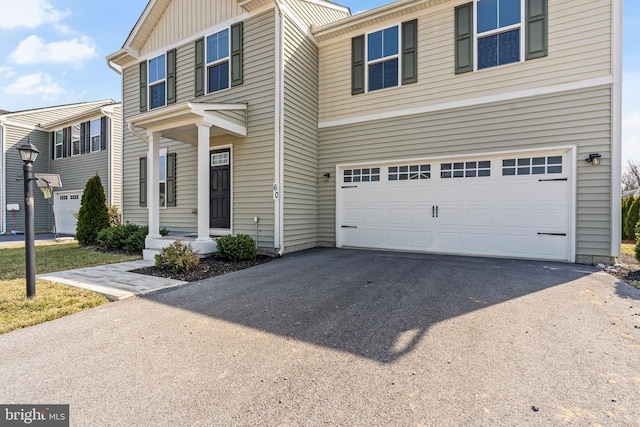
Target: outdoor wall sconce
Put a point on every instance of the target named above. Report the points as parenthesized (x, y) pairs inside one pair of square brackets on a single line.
[(594, 159)]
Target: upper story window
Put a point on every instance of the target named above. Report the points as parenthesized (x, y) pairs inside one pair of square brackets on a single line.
[(498, 32), (382, 58), (157, 82), (95, 135), (218, 61), (80, 138), (490, 33), (388, 58)]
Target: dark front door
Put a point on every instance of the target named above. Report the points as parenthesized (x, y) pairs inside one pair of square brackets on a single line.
[(220, 189)]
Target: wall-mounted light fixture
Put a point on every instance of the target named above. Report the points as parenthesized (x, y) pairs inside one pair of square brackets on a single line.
[(594, 159)]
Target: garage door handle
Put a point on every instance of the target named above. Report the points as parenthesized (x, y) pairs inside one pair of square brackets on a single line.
[(434, 211), (349, 226), (552, 234), (553, 179), (349, 186)]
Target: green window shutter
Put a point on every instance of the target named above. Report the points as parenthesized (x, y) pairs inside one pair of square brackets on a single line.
[(171, 76), (464, 38), (104, 132), (87, 137), (171, 179), (357, 65), (236, 54), (410, 52), (143, 86), (199, 67), (536, 32), (143, 181)]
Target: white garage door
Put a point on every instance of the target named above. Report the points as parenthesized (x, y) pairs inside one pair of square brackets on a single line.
[(516, 205), (65, 204)]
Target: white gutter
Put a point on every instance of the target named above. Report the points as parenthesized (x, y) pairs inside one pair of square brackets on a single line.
[(278, 232), (616, 134), (136, 133), (114, 68), (110, 157)]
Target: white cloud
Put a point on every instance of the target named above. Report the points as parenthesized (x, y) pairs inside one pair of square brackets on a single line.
[(34, 50), (6, 71), (36, 84), (29, 13)]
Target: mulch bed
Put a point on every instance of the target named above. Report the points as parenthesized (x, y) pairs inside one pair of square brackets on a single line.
[(628, 270), (208, 267)]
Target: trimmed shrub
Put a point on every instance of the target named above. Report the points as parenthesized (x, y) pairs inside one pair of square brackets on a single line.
[(626, 204), (236, 248), (631, 219), (179, 257), (93, 215), (129, 238)]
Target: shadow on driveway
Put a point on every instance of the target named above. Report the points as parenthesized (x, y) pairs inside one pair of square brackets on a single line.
[(373, 304)]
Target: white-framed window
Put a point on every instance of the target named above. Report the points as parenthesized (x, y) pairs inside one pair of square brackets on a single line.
[(75, 140), (162, 177), (409, 172), (532, 166), (217, 53), (95, 135), (499, 33), (383, 62), (58, 143), (220, 159), (157, 68), (362, 175)]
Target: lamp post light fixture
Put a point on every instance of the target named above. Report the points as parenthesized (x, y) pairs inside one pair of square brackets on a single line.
[(28, 154)]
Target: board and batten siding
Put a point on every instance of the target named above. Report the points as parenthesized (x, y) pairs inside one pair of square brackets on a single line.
[(183, 18), (300, 186), (252, 156), (577, 118), (579, 48), (316, 13), (14, 137)]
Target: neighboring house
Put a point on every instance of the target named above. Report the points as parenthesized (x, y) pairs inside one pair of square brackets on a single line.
[(76, 141), (441, 126)]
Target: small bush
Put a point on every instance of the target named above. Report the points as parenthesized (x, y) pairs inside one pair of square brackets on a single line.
[(236, 248), (631, 219), (164, 231), (129, 238), (638, 241), (115, 217), (178, 256)]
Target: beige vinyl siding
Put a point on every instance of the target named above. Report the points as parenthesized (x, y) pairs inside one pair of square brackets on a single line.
[(316, 13), (580, 118), (115, 149), (183, 18), (579, 49), (14, 137), (300, 186), (252, 156)]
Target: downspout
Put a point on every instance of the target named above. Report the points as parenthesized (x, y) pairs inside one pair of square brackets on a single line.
[(3, 186), (110, 162), (616, 134), (279, 130)]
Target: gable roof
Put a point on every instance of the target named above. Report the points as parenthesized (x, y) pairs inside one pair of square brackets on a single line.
[(39, 117), (153, 13)]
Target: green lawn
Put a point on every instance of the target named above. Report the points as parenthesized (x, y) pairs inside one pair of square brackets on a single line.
[(52, 300)]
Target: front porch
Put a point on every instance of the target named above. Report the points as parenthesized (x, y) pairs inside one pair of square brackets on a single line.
[(195, 124)]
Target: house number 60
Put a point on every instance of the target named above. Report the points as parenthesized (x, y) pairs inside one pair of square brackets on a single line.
[(276, 191)]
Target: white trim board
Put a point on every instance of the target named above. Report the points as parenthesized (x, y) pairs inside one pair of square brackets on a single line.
[(471, 102)]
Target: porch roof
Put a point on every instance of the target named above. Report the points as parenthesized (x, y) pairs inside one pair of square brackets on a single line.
[(180, 121)]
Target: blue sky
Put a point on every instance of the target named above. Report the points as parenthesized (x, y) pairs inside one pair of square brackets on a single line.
[(53, 52)]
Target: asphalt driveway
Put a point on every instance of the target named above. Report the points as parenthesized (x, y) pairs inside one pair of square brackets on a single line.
[(346, 337)]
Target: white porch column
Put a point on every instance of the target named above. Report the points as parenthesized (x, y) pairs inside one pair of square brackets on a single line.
[(204, 166), (153, 185)]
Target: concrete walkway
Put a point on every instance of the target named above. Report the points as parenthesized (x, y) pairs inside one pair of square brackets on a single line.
[(115, 281)]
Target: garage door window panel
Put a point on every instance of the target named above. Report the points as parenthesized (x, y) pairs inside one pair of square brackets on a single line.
[(409, 172), (362, 175), (465, 169), (532, 166)]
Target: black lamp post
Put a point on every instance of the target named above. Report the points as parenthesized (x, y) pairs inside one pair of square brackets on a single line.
[(28, 154)]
